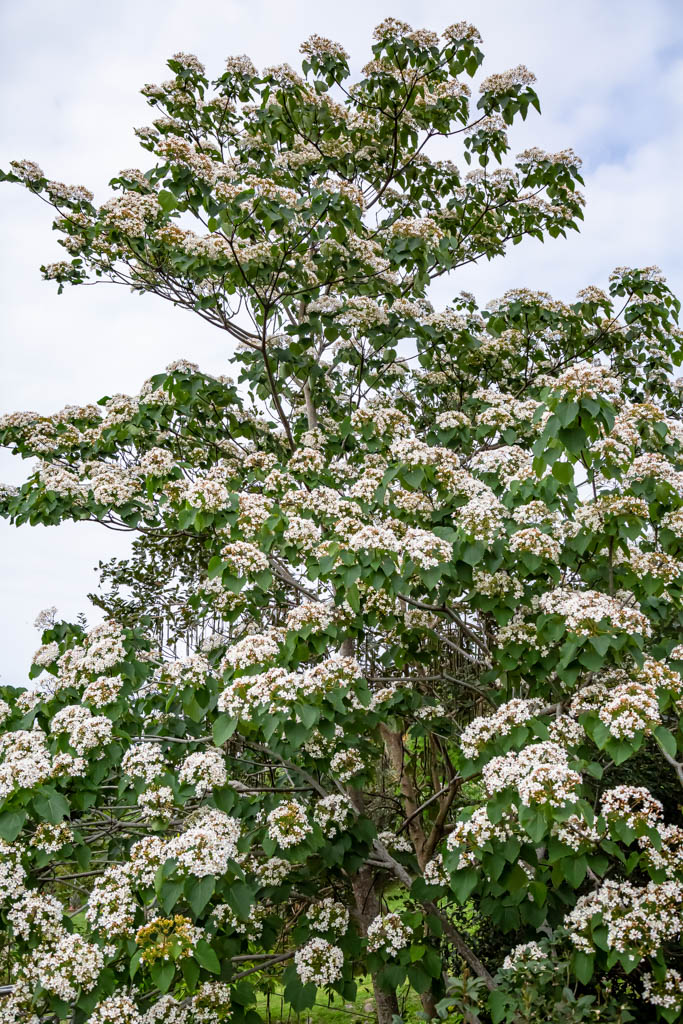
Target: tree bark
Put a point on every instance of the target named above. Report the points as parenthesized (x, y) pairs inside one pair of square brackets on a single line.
[(367, 905)]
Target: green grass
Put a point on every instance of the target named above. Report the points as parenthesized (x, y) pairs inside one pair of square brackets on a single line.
[(337, 1012)]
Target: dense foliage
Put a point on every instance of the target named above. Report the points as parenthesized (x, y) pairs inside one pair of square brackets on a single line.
[(397, 647)]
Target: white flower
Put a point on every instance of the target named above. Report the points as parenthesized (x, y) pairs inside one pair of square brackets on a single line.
[(388, 933), (346, 763), (332, 814), (144, 761), (205, 770), (328, 916), (288, 824), (319, 962)]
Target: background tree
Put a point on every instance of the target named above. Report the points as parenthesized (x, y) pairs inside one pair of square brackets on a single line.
[(425, 566)]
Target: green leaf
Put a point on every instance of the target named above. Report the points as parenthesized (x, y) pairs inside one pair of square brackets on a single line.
[(473, 553), (432, 963), (205, 955), (264, 579), (666, 740), (498, 1002), (134, 963), (167, 201), (601, 644), (563, 471), (582, 964), (169, 895), (309, 715), (300, 997), (190, 969), (11, 824), (223, 728), (419, 979), (533, 822), (199, 891), (240, 897), (392, 976), (163, 974), (621, 750), (575, 869), (353, 598), (463, 883), (215, 567), (566, 412), (51, 806)]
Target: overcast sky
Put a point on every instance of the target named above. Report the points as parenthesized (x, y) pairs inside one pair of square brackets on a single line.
[(610, 79)]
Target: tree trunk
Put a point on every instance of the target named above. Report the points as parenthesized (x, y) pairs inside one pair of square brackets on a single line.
[(428, 1004), (386, 1003), (367, 908)]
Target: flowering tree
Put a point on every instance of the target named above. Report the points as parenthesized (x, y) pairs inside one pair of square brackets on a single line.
[(425, 567)]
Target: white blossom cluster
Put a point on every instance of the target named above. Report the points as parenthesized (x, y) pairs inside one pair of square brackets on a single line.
[(540, 773), (639, 919), (116, 1009), (535, 541), (227, 921), (395, 843), (496, 584), (666, 992), (595, 515), (103, 690), (243, 558), (565, 730), (24, 760), (84, 730), (5, 711), (209, 1005), (521, 956), (144, 761), (206, 846), (205, 770), (12, 871), (319, 962), (435, 872), (346, 763), (503, 720), (504, 81), (157, 802), (667, 854), (576, 833), (312, 614), (38, 915), (272, 871), (276, 689), (111, 905), (634, 805), (63, 965), (288, 824), (254, 649), (585, 610), (631, 708), (156, 462), (470, 836), (332, 814), (583, 380), (51, 838), (389, 934), (328, 916)]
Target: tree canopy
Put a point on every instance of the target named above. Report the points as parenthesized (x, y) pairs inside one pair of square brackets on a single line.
[(391, 682)]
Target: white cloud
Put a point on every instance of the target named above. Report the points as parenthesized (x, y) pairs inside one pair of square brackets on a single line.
[(609, 77)]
